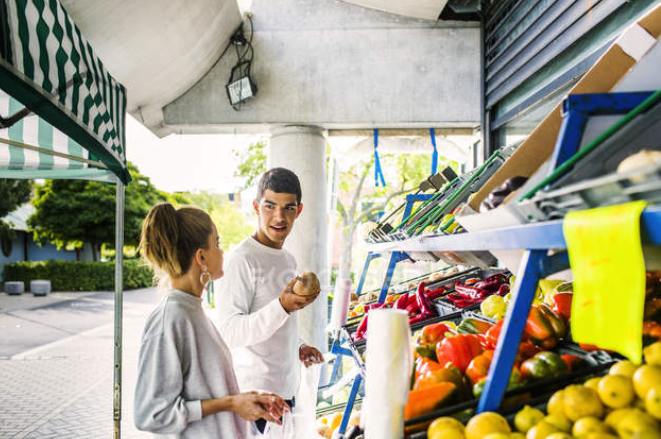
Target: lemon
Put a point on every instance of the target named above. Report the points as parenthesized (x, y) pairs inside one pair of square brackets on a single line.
[(653, 401), (558, 436), (593, 383), (542, 430), (517, 435), (450, 433), (614, 417), (559, 421), (497, 436), (638, 425), (445, 428), (526, 418), (555, 404), (616, 391), (485, 423), (588, 425), (599, 436), (580, 401), (653, 354), (625, 367), (644, 378)]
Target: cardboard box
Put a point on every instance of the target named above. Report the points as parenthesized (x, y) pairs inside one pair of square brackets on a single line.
[(633, 43)]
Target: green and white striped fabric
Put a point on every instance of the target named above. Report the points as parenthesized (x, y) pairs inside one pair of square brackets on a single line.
[(48, 66)]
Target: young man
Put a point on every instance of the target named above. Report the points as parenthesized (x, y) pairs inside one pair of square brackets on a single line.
[(256, 304)]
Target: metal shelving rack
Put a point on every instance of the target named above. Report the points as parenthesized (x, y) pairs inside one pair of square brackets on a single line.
[(537, 239)]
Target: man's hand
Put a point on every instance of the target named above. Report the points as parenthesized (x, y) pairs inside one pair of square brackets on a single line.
[(293, 302), (310, 355)]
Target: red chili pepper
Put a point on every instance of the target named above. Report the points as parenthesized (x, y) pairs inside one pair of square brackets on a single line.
[(412, 308), (402, 301), (424, 303), (361, 330), (472, 292), (492, 283), (503, 289), (436, 293)]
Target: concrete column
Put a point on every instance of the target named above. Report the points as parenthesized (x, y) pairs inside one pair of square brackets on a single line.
[(302, 149)]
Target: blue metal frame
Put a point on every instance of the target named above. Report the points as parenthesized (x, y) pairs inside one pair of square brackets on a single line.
[(368, 260), (576, 109), (337, 347)]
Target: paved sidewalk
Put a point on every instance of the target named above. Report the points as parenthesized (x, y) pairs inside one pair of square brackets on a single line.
[(64, 388)]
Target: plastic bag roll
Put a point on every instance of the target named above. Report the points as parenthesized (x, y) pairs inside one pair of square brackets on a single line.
[(341, 299), (388, 367)]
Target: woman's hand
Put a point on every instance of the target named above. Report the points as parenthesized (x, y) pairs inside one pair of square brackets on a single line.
[(253, 405)]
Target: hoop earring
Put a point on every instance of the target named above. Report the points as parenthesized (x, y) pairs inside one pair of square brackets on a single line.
[(205, 277)]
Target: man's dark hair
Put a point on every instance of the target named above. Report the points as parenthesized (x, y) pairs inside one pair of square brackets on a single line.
[(280, 180)]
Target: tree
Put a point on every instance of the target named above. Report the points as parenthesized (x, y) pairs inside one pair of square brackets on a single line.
[(357, 204), (253, 163), (69, 213), (233, 226), (13, 193)]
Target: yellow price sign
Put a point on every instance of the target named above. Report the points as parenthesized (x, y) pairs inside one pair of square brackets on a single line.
[(607, 262)]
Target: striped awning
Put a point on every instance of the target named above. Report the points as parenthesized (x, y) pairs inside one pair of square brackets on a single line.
[(75, 124)]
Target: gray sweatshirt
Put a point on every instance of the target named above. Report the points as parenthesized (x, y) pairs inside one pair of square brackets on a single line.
[(183, 361)]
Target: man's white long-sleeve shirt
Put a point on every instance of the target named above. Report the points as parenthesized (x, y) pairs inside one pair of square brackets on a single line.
[(263, 337)]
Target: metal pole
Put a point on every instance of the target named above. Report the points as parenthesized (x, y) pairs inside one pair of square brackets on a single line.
[(119, 257)]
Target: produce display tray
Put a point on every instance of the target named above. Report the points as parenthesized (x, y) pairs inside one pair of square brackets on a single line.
[(530, 394), (616, 188), (643, 132), (462, 275)]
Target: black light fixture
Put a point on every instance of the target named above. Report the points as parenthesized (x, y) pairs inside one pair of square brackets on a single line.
[(240, 86)]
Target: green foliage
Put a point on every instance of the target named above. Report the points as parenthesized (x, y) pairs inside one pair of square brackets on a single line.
[(81, 276), (233, 226), (253, 163), (13, 193), (72, 212)]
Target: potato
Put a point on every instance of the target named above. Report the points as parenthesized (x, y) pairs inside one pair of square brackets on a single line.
[(307, 285)]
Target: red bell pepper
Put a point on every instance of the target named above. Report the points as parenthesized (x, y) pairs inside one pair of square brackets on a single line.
[(562, 304), (478, 368), (433, 333), (458, 350), (491, 336), (544, 327), (573, 362), (652, 329)]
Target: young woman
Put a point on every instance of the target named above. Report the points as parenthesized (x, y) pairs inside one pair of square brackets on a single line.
[(186, 385)]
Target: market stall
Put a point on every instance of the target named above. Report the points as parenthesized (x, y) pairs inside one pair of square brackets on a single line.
[(507, 342), (62, 116)]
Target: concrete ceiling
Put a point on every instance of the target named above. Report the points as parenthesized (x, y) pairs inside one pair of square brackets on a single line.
[(157, 49), (426, 9)]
